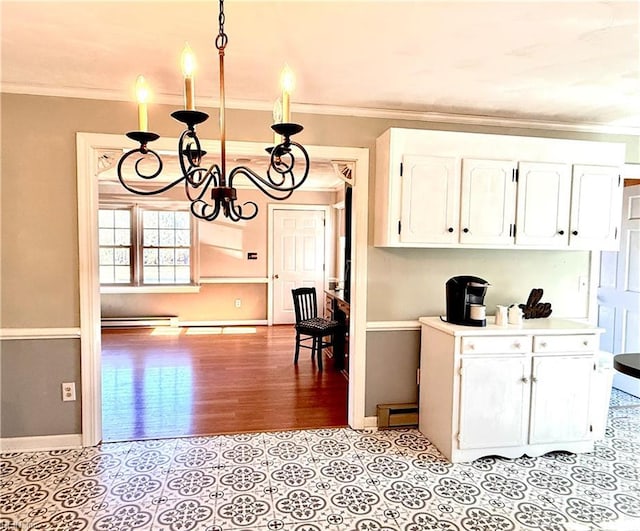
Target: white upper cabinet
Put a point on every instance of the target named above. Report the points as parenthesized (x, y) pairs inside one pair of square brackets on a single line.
[(596, 202), (430, 199), (487, 201), (453, 189), (544, 195)]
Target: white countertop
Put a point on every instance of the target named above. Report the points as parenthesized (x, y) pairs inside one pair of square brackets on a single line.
[(548, 326)]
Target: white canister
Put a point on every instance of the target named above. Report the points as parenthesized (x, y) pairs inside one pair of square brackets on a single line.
[(515, 315), (501, 315), (478, 312)]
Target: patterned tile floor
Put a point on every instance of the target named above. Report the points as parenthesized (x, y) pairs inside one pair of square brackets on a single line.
[(333, 479)]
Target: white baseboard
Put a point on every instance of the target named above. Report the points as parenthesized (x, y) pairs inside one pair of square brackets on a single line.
[(40, 443), (247, 322), (371, 423)]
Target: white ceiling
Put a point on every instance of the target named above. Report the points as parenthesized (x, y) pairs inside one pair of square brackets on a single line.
[(575, 62)]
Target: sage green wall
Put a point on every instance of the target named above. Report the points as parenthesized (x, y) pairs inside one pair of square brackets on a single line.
[(39, 244), (32, 374), (392, 362)]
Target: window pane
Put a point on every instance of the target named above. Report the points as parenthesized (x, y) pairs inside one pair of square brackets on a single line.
[(150, 237), (106, 256), (183, 220), (121, 256), (105, 237), (167, 256), (150, 275), (122, 219), (183, 238), (105, 218), (150, 257), (150, 218), (167, 274), (166, 220), (122, 274), (183, 274), (182, 256), (106, 275), (123, 236), (167, 238)]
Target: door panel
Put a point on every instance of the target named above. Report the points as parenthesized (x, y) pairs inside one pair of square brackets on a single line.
[(298, 257), (430, 199), (487, 210), (562, 380), (544, 191), (493, 402), (619, 290)]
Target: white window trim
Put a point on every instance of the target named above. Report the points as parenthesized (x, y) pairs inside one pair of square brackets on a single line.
[(137, 208)]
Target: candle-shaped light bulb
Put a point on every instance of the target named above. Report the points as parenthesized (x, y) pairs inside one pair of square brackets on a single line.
[(277, 119), (287, 83), (142, 96), (188, 68)]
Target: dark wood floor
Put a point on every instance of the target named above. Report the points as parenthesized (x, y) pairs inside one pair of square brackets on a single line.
[(157, 386)]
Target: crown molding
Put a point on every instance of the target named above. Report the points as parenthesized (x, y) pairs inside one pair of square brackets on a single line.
[(360, 112)]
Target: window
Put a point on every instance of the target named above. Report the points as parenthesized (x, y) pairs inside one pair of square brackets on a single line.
[(145, 246)]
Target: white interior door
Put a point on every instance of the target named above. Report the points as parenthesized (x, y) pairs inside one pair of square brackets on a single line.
[(298, 257), (619, 290)]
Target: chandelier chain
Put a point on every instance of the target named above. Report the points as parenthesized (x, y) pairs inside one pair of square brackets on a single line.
[(221, 38)]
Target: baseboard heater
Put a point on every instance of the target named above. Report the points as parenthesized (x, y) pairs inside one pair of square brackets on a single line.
[(397, 415), (128, 322)]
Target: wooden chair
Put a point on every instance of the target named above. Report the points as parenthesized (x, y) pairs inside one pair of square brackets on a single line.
[(310, 327)]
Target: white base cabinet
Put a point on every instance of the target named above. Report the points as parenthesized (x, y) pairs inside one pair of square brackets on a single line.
[(508, 391)]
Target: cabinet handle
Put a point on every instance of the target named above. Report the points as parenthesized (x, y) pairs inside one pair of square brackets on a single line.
[(534, 379), (516, 345), (465, 230), (575, 233), (471, 346), (585, 343), (450, 229), (524, 379), (543, 344), (561, 232)]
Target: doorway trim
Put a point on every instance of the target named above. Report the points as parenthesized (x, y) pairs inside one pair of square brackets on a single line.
[(87, 146), (328, 231)]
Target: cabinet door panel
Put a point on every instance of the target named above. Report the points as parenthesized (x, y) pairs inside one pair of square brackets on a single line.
[(493, 402), (596, 202), (430, 199), (544, 193), (560, 392), (487, 210)]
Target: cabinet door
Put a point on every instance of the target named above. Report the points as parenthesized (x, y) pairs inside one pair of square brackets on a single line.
[(560, 393), (542, 214), (494, 400), (430, 199), (487, 213), (596, 202)]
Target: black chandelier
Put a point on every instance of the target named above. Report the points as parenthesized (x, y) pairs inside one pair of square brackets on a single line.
[(210, 190)]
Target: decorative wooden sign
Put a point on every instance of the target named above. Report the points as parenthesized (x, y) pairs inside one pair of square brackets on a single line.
[(534, 308)]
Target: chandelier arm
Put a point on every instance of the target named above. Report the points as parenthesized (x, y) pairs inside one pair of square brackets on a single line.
[(141, 175), (235, 212), (283, 162), (205, 211), (262, 184), (185, 153)]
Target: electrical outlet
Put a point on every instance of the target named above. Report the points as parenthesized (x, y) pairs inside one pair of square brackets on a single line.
[(238, 303), (68, 392)]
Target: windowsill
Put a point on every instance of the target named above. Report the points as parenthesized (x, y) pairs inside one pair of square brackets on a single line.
[(150, 289)]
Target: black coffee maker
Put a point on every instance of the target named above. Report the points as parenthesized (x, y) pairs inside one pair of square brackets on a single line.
[(465, 300)]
